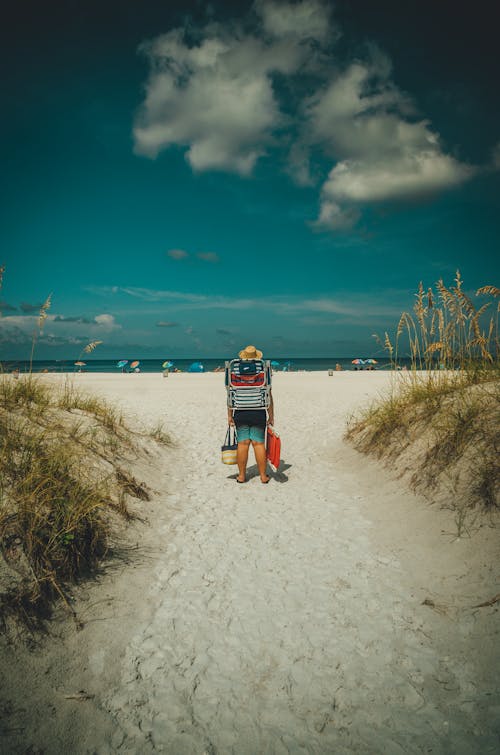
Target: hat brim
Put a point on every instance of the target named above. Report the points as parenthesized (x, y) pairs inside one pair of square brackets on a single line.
[(255, 355)]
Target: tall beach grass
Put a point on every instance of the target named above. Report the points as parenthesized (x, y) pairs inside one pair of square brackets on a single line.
[(64, 485), (63, 482), (440, 421)]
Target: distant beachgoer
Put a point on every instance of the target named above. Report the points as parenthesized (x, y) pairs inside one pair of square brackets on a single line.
[(338, 367), (15, 373), (251, 428)]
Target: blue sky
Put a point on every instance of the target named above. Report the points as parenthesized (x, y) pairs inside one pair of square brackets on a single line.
[(186, 179)]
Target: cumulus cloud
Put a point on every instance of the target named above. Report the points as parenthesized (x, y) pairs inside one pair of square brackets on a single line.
[(228, 93), (382, 151), (214, 93), (106, 322), (404, 176), (305, 20)]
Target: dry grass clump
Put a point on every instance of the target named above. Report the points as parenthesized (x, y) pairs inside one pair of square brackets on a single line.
[(61, 483), (440, 422), (444, 439), (447, 331)]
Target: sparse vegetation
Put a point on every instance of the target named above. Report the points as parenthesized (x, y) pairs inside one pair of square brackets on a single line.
[(61, 483), (440, 422), (62, 486)]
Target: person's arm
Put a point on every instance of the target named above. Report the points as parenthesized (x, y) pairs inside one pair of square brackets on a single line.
[(230, 418), (270, 410)]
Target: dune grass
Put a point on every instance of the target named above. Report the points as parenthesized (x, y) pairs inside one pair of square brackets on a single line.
[(440, 421), (63, 456)]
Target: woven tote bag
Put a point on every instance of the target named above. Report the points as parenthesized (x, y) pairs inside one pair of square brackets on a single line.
[(230, 446)]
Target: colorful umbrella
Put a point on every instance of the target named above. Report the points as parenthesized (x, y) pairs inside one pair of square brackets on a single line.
[(167, 365), (134, 364), (274, 363), (122, 363), (371, 361), (196, 367), (80, 364), (357, 361)]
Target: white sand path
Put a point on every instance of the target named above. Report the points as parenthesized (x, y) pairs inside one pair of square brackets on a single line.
[(281, 618)]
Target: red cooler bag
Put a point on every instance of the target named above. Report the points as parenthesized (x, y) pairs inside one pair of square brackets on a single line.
[(273, 447)]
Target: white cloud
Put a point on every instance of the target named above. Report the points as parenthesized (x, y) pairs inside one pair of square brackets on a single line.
[(346, 304), (57, 330), (333, 216), (308, 19), (383, 153), (211, 99), (399, 177), (216, 97), (214, 92), (106, 322)]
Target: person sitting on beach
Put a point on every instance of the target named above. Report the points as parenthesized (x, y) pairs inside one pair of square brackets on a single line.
[(251, 428)]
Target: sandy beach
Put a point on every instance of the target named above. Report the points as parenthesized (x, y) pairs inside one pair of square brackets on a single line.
[(331, 611)]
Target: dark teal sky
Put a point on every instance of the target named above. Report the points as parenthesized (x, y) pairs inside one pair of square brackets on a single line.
[(274, 173)]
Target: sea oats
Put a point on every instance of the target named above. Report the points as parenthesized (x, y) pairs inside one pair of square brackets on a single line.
[(43, 311), (91, 346), (491, 290)]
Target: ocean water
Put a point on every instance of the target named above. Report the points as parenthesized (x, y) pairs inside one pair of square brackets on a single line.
[(294, 364)]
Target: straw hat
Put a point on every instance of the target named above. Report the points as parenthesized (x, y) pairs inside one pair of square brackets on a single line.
[(250, 352)]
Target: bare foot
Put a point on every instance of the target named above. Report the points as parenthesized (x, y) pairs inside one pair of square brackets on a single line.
[(265, 480), (238, 480)]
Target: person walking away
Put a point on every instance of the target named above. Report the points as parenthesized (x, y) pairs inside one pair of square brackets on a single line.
[(251, 428)]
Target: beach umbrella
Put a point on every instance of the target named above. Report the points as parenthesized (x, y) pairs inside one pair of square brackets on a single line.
[(274, 363), (196, 367), (357, 361), (80, 364), (371, 361), (167, 365), (122, 363), (134, 364)]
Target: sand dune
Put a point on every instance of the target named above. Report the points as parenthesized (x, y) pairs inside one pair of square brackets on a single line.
[(327, 612)]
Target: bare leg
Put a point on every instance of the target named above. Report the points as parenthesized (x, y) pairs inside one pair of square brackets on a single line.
[(242, 458), (259, 450)]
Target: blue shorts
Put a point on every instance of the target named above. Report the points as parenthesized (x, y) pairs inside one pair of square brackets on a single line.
[(251, 432)]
